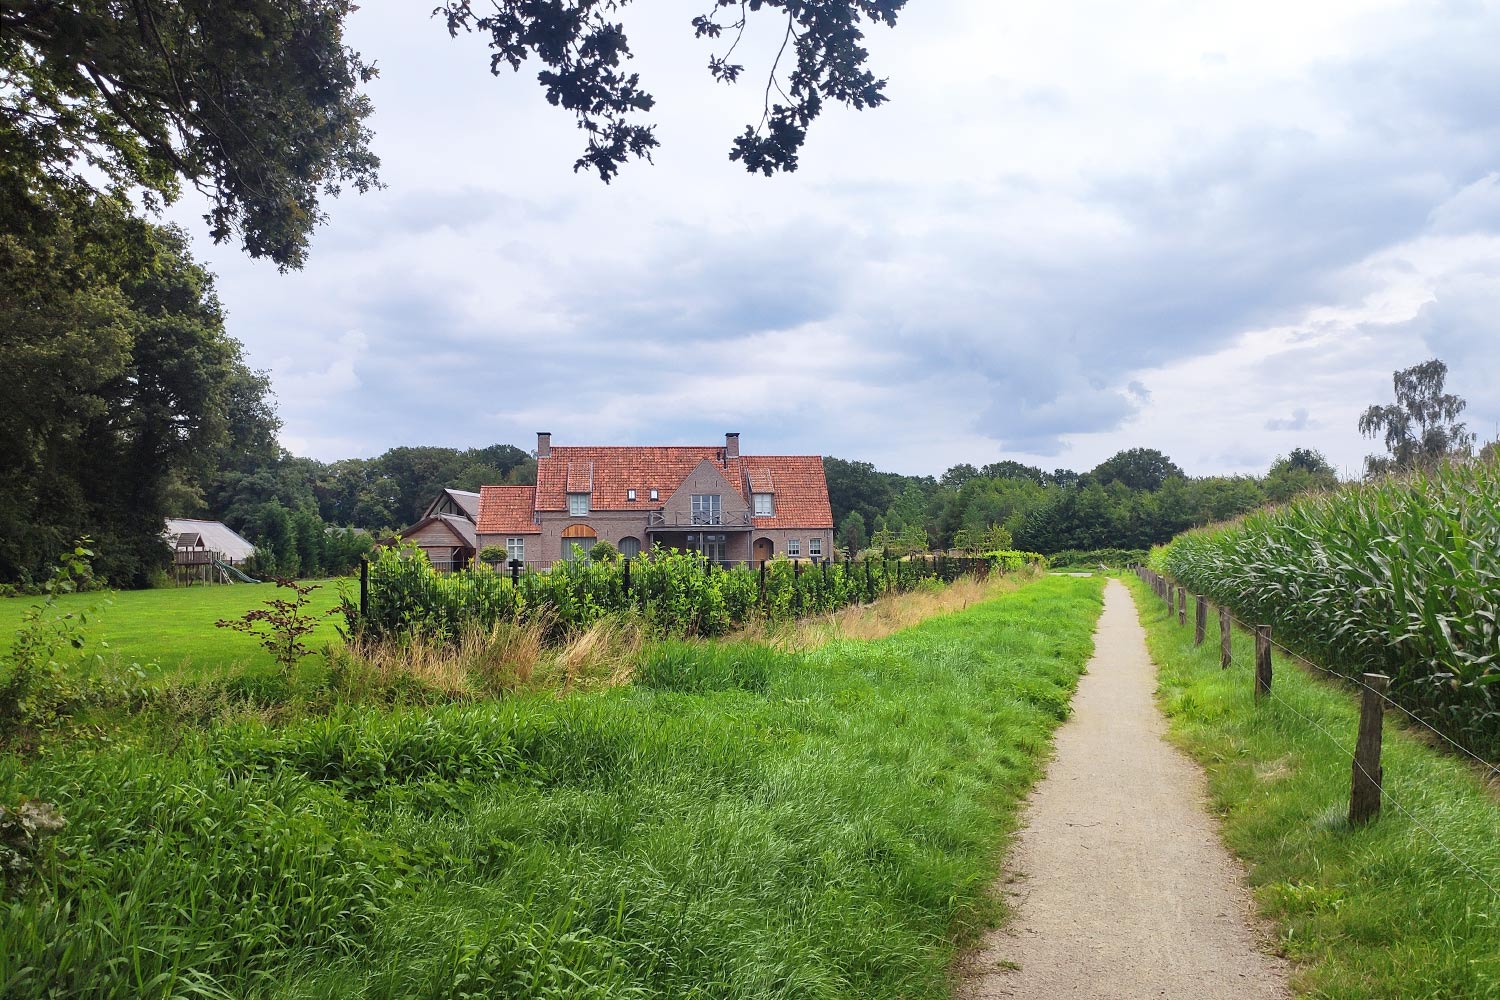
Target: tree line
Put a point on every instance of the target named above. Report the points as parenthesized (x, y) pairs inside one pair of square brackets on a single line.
[(1135, 499)]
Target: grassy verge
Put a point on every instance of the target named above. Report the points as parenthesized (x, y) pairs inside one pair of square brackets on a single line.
[(739, 822), (171, 631), (1380, 911)]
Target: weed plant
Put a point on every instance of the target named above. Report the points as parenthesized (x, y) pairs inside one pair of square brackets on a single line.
[(739, 823), (1383, 910)]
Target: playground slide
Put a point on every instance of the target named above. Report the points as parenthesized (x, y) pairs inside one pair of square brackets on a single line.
[(235, 573)]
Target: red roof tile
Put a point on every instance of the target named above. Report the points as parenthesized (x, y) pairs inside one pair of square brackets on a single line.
[(798, 482), (618, 469), (801, 493), (507, 510)]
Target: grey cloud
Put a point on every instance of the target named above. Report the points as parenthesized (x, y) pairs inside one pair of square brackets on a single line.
[(1298, 421)]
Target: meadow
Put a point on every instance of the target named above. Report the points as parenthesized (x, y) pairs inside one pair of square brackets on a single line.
[(170, 631), (738, 821), (1406, 906)]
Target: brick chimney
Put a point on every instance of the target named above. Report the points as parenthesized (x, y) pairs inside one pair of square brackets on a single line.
[(732, 444), (543, 444)]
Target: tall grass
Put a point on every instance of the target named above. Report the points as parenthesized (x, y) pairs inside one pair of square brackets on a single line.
[(1380, 911), (738, 823), (1400, 577)]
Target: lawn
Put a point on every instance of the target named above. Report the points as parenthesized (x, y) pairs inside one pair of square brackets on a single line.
[(171, 631), (1404, 907), (740, 822)]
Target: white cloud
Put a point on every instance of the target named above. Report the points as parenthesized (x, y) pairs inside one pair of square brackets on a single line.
[(1213, 229)]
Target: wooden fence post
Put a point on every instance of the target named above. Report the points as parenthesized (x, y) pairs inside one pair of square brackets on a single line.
[(626, 579), (1200, 621), (1262, 661), (1226, 632), (1364, 790), (1182, 605), (1171, 599)]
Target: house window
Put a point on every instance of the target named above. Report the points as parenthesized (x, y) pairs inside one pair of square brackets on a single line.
[(630, 494), (655, 495), (815, 547), (794, 547), (764, 507), (630, 547), (578, 504), (515, 548), (706, 508)]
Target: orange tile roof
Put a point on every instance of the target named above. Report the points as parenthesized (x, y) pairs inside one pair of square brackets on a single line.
[(801, 490), (617, 469), (507, 510), (798, 482)]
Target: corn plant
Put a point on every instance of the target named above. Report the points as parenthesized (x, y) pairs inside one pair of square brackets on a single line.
[(1400, 576)]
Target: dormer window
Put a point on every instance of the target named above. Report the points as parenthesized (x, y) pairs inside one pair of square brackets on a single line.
[(765, 505), (630, 494), (578, 504)]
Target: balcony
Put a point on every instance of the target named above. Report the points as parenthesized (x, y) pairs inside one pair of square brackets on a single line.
[(660, 520)]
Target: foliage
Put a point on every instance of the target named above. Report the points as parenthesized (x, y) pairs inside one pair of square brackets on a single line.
[(611, 845), (1398, 576), (674, 593), (123, 384), (281, 625), (1392, 909), (257, 105), (581, 51), (1303, 471), (494, 554), (25, 830), (1421, 428), (42, 675), (1092, 558), (1137, 469)]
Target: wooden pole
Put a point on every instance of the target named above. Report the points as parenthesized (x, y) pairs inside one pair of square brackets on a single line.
[(1262, 661), (1225, 634), (1200, 621), (1364, 791), (1182, 605)]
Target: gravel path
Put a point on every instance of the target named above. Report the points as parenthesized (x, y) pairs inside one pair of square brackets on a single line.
[(1120, 884)]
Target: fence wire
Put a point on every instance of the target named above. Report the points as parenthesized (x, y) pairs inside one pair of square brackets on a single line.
[(1387, 793)]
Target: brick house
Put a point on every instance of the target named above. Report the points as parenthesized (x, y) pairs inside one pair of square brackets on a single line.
[(708, 499)]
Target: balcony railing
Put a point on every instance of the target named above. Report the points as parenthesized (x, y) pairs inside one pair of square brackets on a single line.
[(663, 519)]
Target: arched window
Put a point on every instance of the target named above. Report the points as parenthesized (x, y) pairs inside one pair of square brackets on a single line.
[(630, 547), (577, 534)]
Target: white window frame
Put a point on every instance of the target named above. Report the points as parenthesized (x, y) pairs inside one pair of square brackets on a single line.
[(515, 548), (630, 494), (578, 504), (794, 547), (655, 495), (815, 547), (765, 505), (708, 508)]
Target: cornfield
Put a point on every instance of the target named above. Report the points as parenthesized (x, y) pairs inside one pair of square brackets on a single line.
[(1400, 577)]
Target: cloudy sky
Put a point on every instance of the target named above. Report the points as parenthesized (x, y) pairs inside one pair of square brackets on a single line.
[(1209, 228)]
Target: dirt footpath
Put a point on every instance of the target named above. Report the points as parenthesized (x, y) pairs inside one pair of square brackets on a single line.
[(1120, 884)]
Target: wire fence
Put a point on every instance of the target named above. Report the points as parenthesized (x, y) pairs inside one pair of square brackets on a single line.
[(1376, 775)]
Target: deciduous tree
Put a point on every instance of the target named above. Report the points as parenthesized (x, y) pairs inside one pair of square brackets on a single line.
[(1422, 427)]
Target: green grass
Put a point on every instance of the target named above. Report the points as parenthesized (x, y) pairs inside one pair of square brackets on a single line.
[(739, 824), (1379, 911), (173, 628)]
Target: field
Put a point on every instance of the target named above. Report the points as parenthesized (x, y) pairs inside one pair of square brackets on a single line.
[(738, 822), (1399, 908), (173, 628)]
